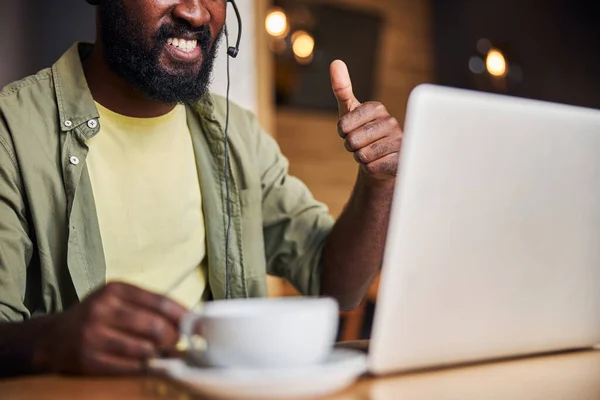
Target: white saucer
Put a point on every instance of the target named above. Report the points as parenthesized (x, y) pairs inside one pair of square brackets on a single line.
[(341, 369)]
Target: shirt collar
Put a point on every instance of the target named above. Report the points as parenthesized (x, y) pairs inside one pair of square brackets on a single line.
[(75, 102)]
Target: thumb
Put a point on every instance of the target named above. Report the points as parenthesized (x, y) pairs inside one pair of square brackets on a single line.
[(342, 87)]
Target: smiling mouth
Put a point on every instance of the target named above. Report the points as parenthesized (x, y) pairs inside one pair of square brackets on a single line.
[(183, 51), (183, 44)]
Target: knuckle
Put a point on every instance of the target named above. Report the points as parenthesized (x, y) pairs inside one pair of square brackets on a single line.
[(147, 349), (371, 105), (362, 156), (165, 305), (352, 143), (108, 292), (380, 108), (339, 126), (357, 157), (158, 329), (344, 126), (100, 310), (393, 122), (96, 311), (398, 143), (113, 288), (110, 288), (169, 334), (377, 108), (347, 146)]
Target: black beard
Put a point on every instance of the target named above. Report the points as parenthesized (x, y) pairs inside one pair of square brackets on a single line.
[(129, 57)]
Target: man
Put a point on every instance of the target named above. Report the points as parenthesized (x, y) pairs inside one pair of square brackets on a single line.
[(112, 171)]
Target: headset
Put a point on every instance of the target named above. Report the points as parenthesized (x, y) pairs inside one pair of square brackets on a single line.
[(232, 51)]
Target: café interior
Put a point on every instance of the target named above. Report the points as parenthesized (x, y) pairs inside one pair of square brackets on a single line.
[(530, 49)]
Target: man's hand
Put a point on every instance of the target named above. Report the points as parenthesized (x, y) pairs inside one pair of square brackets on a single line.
[(112, 332), (353, 253), (368, 130)]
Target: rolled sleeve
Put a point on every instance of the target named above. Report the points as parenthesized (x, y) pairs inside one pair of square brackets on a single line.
[(295, 225)]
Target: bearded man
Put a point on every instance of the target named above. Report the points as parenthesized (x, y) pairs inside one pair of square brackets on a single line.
[(116, 218)]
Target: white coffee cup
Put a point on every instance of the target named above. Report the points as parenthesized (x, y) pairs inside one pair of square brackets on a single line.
[(263, 333)]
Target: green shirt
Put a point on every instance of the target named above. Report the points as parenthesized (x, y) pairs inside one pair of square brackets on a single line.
[(51, 254)]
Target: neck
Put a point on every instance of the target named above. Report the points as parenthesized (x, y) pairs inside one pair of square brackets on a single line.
[(114, 93)]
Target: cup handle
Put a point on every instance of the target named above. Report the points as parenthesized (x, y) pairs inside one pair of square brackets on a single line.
[(187, 327)]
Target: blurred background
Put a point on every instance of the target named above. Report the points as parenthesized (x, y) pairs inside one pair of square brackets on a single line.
[(539, 49)]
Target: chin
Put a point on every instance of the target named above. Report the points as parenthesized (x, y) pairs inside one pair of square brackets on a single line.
[(182, 70)]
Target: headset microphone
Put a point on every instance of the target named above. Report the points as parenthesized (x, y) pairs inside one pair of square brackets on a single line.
[(234, 51)]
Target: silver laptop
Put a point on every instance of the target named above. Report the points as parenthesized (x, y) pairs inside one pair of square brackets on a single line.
[(494, 245)]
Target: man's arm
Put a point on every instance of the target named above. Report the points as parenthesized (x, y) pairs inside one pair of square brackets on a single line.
[(113, 332), (302, 242), (354, 250), (295, 224)]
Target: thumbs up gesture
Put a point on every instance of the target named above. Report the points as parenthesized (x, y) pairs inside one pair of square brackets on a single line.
[(368, 130)]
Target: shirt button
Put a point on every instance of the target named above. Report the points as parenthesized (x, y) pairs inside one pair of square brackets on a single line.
[(68, 123), (74, 160), (92, 123)]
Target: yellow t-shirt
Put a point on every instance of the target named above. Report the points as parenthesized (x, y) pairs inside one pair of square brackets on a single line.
[(148, 201)]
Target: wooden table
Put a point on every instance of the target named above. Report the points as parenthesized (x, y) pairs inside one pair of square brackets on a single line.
[(562, 377)]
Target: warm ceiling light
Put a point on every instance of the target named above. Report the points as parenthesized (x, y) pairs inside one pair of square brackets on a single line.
[(303, 44), (495, 63), (276, 23)]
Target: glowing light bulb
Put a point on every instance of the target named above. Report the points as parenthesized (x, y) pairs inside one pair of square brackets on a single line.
[(495, 63), (276, 23), (303, 44)]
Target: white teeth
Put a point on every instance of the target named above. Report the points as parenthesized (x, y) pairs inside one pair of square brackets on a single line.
[(186, 45)]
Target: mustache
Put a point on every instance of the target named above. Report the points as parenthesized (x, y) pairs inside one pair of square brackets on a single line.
[(202, 34)]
